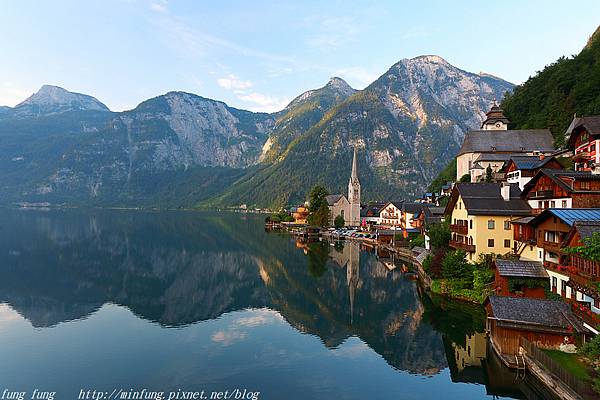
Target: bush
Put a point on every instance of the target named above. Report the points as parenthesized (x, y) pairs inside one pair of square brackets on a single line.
[(339, 222), (439, 235), (465, 178), (454, 266), (417, 241), (591, 349)]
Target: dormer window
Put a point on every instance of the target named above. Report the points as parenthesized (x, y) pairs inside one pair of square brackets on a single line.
[(493, 148)]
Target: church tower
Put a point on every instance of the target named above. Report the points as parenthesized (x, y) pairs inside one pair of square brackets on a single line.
[(495, 120), (354, 195)]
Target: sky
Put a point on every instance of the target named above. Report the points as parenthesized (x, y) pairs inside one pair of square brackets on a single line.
[(259, 55)]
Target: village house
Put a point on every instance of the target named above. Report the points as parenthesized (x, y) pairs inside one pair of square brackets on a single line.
[(481, 215), (401, 215), (549, 324), (518, 278), (584, 138), (370, 214), (300, 214), (553, 231), (446, 189), (551, 188), (494, 138), (583, 273), (521, 169)]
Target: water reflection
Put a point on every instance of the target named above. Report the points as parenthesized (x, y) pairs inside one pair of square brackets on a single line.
[(179, 269)]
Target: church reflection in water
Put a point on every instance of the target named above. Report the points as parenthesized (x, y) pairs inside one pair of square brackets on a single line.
[(178, 269)]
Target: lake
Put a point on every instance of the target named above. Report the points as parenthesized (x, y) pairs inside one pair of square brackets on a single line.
[(123, 302)]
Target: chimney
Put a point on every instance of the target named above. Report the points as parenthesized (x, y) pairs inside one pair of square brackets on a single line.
[(505, 191), (542, 156)]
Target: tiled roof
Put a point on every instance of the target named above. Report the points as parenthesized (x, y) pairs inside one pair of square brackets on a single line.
[(526, 269), (557, 174), (530, 162), (590, 123), (540, 312), (333, 198), (587, 228), (515, 141), (485, 199)]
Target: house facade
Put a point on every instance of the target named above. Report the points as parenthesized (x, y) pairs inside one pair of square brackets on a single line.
[(521, 169), (480, 217), (584, 139)]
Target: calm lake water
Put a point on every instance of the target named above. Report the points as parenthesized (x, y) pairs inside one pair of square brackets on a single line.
[(115, 300)]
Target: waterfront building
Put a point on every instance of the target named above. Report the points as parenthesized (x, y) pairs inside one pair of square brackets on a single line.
[(548, 324), (551, 188), (518, 278), (371, 213), (481, 215), (521, 169), (338, 205), (300, 214), (584, 138), (402, 215), (494, 138)]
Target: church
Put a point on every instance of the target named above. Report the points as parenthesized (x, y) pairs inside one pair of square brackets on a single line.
[(347, 207)]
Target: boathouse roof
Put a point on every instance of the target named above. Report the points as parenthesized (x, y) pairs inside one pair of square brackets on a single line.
[(540, 315), (521, 269)]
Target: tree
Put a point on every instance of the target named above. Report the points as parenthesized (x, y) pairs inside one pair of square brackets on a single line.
[(339, 222), (465, 178), (439, 234), (320, 217), (489, 174), (317, 197), (454, 266), (590, 249)]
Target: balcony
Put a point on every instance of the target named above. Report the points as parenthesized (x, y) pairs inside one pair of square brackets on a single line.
[(582, 156), (460, 229), (551, 246), (470, 248), (584, 312), (542, 194)]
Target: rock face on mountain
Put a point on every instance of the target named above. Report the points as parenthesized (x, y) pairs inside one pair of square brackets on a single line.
[(180, 149), (407, 125), (53, 100)]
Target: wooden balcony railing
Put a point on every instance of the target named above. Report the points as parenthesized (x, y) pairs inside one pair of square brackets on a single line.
[(542, 194), (582, 156), (462, 246), (460, 229), (586, 314)]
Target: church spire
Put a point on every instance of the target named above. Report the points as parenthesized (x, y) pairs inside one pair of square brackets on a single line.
[(354, 176)]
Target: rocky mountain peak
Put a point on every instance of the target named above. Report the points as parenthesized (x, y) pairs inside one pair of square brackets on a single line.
[(52, 99), (594, 38), (340, 85)]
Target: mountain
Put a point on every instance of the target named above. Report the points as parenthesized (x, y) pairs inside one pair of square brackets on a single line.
[(53, 100), (407, 125), (302, 113), (180, 149), (172, 150), (551, 97)]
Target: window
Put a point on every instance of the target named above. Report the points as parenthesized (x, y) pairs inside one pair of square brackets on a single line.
[(554, 284), (564, 204), (585, 186), (491, 224), (539, 204), (552, 204), (563, 287), (470, 224), (593, 147), (507, 243), (597, 303), (490, 242), (507, 225)]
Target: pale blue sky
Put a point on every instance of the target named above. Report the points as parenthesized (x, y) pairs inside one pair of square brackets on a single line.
[(258, 55)]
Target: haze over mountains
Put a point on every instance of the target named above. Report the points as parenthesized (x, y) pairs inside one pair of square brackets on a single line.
[(180, 149)]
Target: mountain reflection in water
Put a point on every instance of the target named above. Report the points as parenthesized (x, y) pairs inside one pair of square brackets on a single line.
[(178, 269)]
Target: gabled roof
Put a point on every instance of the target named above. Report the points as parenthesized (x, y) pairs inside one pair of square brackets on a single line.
[(584, 228), (485, 199), (591, 124), (568, 215), (559, 176), (539, 314), (333, 198), (373, 209), (512, 141), (530, 162), (518, 268)]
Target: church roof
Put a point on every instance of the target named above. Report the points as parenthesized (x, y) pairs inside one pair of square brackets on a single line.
[(513, 141), (333, 198)]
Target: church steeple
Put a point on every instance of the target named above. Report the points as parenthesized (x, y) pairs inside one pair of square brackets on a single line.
[(495, 120), (354, 194)]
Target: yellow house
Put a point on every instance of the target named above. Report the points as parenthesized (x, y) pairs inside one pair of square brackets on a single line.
[(481, 215)]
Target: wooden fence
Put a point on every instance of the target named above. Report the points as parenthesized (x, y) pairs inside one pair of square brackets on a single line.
[(581, 387)]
